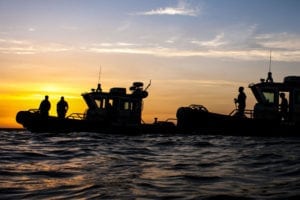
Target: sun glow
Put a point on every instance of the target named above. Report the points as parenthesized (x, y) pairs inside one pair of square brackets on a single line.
[(51, 88), (15, 98)]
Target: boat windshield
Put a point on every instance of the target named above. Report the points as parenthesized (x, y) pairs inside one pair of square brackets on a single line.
[(104, 103), (269, 96)]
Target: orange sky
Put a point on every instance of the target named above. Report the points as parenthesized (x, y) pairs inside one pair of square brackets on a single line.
[(26, 79)]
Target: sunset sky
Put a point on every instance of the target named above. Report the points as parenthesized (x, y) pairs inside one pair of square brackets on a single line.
[(194, 51)]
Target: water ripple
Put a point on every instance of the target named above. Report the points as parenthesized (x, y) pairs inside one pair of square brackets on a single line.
[(98, 166)]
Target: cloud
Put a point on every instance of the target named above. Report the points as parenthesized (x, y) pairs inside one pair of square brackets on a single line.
[(247, 38), (31, 29), (279, 41), (216, 42), (173, 39), (122, 44), (285, 47), (125, 26), (258, 54), (11, 46), (183, 8)]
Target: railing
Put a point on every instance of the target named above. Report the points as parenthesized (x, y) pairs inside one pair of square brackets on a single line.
[(34, 110), (76, 116), (198, 107), (248, 113), (71, 116), (156, 120), (171, 119)]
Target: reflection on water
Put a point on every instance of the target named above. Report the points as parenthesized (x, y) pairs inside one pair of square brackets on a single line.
[(90, 165)]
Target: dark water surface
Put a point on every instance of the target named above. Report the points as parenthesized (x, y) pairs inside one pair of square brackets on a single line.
[(99, 166)]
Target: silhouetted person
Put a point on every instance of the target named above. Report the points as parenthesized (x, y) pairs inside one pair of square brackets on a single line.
[(62, 108), (241, 101), (283, 106), (99, 89), (45, 107), (269, 78)]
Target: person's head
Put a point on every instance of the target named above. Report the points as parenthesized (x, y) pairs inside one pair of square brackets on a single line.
[(241, 89), (282, 95), (62, 98), (46, 97)]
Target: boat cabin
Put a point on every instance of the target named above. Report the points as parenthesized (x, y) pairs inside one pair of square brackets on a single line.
[(268, 99), (116, 106)]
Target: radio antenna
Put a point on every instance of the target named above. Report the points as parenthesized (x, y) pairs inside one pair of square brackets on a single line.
[(270, 78), (148, 85), (99, 89), (270, 60)]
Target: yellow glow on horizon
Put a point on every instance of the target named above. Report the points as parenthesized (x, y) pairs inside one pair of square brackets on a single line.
[(162, 102), (16, 97), (165, 96), (51, 88), (10, 106)]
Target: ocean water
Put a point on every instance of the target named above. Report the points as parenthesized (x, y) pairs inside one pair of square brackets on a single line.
[(99, 166)]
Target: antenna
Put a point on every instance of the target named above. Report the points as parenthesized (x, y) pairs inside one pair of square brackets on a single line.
[(99, 89), (270, 78), (270, 60), (148, 85)]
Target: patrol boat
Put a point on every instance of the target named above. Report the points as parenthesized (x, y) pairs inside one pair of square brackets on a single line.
[(120, 112), (115, 111), (264, 119)]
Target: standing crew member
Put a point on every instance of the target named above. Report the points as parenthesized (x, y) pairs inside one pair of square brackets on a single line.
[(62, 108), (241, 100), (284, 106), (45, 107)]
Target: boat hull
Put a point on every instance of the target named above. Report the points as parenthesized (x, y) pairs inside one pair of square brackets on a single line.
[(204, 122), (117, 111), (34, 122), (188, 122)]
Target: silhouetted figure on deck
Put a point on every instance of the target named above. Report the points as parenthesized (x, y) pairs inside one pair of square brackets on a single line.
[(45, 107), (241, 101), (283, 106), (99, 89), (269, 78), (62, 108)]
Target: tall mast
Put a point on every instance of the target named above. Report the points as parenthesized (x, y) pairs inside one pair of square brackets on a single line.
[(270, 60), (99, 89), (270, 78)]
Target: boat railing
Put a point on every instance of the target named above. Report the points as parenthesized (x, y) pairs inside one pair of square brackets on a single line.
[(248, 113), (34, 110), (173, 120), (168, 120), (76, 116), (198, 107)]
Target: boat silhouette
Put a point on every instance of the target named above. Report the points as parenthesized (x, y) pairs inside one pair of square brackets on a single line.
[(119, 112)]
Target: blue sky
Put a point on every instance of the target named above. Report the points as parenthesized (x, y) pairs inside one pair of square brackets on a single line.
[(195, 51), (188, 28)]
